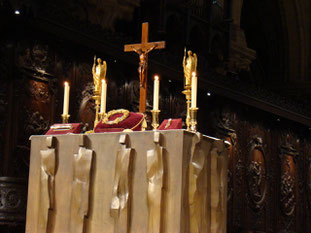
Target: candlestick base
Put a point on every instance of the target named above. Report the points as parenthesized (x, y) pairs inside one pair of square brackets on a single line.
[(65, 118), (193, 122), (155, 119), (96, 97), (187, 93), (102, 115)]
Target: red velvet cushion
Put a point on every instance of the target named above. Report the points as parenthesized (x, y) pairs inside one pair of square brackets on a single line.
[(175, 124), (64, 129), (133, 122), (105, 130)]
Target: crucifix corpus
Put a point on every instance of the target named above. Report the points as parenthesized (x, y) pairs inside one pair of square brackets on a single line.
[(142, 50)]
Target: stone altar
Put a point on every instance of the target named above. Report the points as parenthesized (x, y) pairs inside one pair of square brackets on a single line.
[(151, 181)]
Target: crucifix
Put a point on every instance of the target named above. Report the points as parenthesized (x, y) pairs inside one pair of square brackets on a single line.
[(142, 50)]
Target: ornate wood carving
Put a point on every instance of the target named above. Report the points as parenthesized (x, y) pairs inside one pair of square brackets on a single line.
[(13, 199), (33, 118), (86, 107), (256, 173), (121, 193), (288, 198), (223, 123), (288, 189), (35, 124), (239, 181), (36, 59), (288, 184), (39, 93)]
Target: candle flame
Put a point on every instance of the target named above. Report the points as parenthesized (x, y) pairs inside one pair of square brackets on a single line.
[(66, 84), (156, 77), (193, 74)]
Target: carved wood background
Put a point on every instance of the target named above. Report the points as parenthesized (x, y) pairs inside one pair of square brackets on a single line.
[(268, 185), (269, 175), (269, 169)]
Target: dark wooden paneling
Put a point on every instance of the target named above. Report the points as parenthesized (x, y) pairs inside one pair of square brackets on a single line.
[(269, 170), (269, 185)]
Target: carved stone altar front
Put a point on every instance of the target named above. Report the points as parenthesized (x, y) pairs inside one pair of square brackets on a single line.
[(164, 181)]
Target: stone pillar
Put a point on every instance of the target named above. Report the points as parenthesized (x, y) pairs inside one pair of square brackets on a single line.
[(240, 56)]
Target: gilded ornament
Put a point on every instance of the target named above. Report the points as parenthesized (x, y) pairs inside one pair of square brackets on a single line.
[(143, 122), (61, 127), (125, 115), (99, 72), (190, 66), (155, 119), (187, 93), (193, 119), (168, 123)]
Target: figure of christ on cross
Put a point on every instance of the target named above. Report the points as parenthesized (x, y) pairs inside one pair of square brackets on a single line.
[(142, 63), (142, 50)]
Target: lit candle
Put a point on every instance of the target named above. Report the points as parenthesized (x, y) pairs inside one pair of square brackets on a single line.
[(66, 99), (156, 87), (103, 97), (194, 88)]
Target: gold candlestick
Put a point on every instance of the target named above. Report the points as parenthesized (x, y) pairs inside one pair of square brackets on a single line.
[(193, 123), (65, 118), (187, 93), (96, 97), (155, 119), (99, 70)]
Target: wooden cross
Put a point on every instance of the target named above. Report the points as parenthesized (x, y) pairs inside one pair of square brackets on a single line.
[(142, 50)]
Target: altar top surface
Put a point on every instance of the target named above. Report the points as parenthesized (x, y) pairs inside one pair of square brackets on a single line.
[(132, 133)]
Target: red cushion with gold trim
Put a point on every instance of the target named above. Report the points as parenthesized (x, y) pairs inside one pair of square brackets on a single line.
[(168, 124), (64, 129), (133, 121)]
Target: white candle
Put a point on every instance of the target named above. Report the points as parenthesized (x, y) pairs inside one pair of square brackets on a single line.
[(66, 99), (194, 88), (103, 97), (156, 87)]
